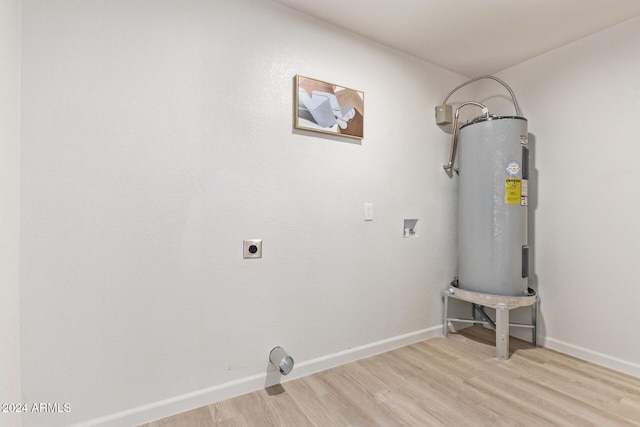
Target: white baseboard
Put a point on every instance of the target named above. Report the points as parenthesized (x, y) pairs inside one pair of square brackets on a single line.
[(601, 359), (196, 399)]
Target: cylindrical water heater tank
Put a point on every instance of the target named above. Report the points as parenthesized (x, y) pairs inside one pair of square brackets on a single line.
[(493, 160)]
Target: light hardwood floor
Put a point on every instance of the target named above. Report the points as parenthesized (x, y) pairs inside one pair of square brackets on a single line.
[(440, 382)]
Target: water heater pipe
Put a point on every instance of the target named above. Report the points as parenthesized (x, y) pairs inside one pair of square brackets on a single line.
[(454, 136), (513, 96)]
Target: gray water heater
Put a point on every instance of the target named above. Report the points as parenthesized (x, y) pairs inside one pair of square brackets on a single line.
[(493, 169)]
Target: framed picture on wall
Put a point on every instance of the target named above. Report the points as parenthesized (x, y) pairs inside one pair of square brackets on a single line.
[(328, 108)]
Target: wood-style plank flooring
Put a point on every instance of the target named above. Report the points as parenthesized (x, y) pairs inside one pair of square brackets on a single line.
[(440, 382)]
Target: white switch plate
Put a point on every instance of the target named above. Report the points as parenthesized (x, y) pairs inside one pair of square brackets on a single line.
[(368, 211)]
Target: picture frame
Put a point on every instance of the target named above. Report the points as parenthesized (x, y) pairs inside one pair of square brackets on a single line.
[(328, 108)]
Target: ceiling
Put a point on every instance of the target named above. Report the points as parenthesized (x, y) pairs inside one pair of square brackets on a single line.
[(471, 37)]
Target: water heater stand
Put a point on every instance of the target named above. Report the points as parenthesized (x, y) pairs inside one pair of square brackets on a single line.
[(502, 305)]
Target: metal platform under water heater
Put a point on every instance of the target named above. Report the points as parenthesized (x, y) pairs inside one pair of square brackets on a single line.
[(493, 189), (502, 305)]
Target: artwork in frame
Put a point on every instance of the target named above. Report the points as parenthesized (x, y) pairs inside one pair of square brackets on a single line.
[(328, 108)]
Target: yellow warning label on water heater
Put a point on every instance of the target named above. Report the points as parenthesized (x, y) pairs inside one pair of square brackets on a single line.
[(512, 191)]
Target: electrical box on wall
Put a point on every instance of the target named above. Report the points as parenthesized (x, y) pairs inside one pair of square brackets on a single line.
[(444, 114), (252, 249)]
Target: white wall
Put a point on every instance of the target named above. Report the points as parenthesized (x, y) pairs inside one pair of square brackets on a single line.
[(583, 104), (156, 137), (9, 206)]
